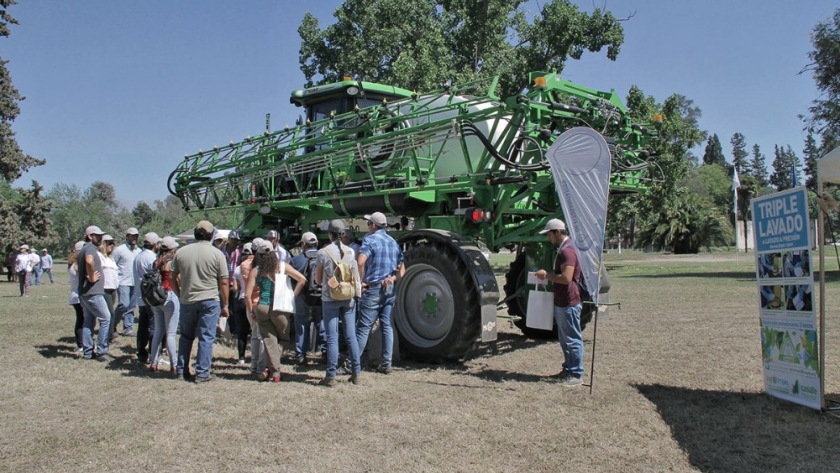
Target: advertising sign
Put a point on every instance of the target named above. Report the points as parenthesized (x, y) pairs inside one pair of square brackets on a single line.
[(789, 346)]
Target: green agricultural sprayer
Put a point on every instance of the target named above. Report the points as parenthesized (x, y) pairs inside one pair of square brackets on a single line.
[(458, 168)]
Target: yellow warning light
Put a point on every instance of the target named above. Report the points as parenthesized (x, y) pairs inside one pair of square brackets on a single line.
[(348, 78), (657, 118), (540, 82)]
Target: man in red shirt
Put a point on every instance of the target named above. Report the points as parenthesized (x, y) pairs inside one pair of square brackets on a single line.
[(567, 301)]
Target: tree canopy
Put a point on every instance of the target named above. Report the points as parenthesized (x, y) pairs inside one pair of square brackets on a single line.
[(714, 152), (23, 212), (421, 44), (824, 116)]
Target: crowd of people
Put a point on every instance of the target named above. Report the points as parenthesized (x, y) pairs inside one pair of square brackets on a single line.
[(28, 268), (216, 285)]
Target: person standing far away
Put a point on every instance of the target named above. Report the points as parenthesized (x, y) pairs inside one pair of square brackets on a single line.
[(143, 263), (325, 266), (47, 264), (567, 301), (35, 277), (232, 254), (307, 307), (202, 290), (11, 276), (127, 298), (92, 296), (282, 255), (23, 269), (381, 265)]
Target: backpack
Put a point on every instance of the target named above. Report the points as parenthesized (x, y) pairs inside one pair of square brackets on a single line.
[(587, 305), (342, 284), (312, 292), (151, 288)]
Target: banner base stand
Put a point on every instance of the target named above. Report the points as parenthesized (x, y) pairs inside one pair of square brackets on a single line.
[(833, 410)]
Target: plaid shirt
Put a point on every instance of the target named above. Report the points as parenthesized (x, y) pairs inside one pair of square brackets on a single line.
[(384, 256)]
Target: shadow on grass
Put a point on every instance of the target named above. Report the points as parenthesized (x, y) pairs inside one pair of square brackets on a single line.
[(58, 351), (506, 342), (729, 431)]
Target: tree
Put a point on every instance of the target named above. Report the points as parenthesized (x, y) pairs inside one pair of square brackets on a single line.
[(143, 214), (420, 44), (686, 224), (811, 153), (22, 211), (739, 152), (713, 183), (824, 116), (714, 152), (757, 167), (786, 168)]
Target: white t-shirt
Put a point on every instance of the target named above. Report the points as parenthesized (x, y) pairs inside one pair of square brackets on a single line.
[(240, 283), (110, 278), (22, 263)]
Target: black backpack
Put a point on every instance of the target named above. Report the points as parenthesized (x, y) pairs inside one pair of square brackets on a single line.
[(587, 304), (151, 288), (312, 292)]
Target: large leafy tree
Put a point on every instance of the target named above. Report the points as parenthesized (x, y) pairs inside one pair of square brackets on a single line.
[(420, 44), (739, 152), (23, 212), (686, 224), (824, 116), (810, 154), (714, 152)]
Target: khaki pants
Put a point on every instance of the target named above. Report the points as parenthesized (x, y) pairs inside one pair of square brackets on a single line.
[(274, 328)]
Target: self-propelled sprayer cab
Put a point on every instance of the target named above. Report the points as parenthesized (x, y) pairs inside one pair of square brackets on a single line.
[(340, 97)]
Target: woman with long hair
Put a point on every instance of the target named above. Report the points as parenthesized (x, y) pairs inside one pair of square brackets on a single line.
[(167, 314), (74, 301), (110, 278), (274, 325), (332, 309)]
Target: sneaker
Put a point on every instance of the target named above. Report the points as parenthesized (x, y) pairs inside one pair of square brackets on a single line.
[(384, 369), (106, 358), (241, 362), (129, 333), (205, 379), (185, 376), (570, 380), (153, 368), (264, 375), (300, 361), (328, 382), (276, 379), (356, 379)]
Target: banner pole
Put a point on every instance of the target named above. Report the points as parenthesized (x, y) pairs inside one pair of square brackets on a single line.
[(821, 247)]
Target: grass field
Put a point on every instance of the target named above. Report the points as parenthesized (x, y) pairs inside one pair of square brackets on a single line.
[(678, 387)]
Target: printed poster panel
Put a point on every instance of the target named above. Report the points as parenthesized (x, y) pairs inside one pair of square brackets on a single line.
[(786, 297)]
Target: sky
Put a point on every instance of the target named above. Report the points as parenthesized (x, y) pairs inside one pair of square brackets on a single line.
[(119, 91)]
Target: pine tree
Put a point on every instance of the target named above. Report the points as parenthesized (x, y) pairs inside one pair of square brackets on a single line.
[(758, 168), (739, 152), (714, 152), (795, 167), (23, 212), (785, 164), (811, 153)]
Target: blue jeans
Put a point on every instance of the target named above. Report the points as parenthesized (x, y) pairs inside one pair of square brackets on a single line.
[(48, 272), (304, 315), (125, 307), (377, 302), (198, 320), (332, 310), (571, 341), (95, 309), (167, 316), (36, 276)]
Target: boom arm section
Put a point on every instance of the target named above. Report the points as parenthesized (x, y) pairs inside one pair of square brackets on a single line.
[(430, 156)]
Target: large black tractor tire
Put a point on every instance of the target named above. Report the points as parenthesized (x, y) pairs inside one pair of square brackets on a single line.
[(515, 280), (437, 311)]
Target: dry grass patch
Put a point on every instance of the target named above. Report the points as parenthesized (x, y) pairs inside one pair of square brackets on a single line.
[(678, 387)]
